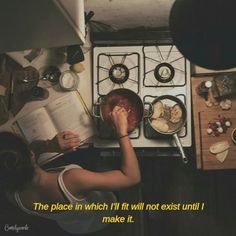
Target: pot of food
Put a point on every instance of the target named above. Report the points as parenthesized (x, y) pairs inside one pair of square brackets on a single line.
[(122, 97), (167, 116)]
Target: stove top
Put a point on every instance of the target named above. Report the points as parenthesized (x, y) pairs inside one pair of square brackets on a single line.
[(149, 71)]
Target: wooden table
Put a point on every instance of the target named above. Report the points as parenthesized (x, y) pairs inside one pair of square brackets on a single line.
[(203, 158)]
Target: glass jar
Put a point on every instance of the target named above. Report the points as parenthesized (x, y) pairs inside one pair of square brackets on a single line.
[(203, 88), (69, 80)]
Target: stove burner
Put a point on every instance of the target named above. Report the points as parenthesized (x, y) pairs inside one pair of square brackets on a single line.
[(119, 73), (164, 72)]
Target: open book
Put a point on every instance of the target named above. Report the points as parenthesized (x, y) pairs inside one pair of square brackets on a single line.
[(66, 113)]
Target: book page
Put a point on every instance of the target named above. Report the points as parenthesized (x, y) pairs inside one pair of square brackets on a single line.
[(37, 125), (68, 114)]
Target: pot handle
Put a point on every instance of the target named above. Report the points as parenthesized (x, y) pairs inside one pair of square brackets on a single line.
[(148, 112), (181, 150), (96, 108)]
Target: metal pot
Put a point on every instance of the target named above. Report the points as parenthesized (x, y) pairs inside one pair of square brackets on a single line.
[(124, 98), (169, 100)]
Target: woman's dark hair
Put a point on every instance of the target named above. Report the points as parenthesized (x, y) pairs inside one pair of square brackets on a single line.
[(16, 168)]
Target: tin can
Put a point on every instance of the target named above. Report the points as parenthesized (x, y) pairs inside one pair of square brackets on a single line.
[(203, 88)]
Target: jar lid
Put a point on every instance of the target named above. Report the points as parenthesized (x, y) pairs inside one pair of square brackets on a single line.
[(208, 84)]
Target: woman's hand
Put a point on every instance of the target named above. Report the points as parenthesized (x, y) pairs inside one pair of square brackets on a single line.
[(119, 118), (85, 181), (64, 141)]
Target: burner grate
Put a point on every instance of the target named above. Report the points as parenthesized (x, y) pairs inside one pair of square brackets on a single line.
[(117, 71), (164, 66)]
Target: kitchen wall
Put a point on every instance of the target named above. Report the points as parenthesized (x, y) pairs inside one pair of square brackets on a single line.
[(124, 14)]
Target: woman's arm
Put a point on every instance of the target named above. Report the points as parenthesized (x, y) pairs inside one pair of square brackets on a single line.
[(79, 181), (63, 141), (130, 167)]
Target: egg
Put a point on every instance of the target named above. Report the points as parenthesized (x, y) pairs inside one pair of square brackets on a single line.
[(209, 131), (220, 130)]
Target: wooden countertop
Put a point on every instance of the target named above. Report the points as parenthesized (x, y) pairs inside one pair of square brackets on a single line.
[(202, 115)]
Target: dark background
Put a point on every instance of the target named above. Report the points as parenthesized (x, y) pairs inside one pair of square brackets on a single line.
[(164, 180)]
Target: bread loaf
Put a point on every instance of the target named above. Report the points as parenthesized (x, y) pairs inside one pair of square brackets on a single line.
[(219, 147), (224, 85), (222, 155)]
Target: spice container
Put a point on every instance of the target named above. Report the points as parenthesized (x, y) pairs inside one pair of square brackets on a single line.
[(203, 88)]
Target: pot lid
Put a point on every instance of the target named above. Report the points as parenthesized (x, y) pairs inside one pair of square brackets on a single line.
[(204, 31)]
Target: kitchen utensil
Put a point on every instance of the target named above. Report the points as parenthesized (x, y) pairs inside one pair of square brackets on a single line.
[(52, 74), (125, 98), (170, 101)]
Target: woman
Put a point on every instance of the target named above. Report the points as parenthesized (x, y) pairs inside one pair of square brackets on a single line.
[(26, 183)]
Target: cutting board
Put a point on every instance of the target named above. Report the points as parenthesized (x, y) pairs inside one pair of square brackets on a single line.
[(208, 159), (199, 105)]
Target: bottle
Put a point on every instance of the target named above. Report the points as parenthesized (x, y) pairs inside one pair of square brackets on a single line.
[(203, 88)]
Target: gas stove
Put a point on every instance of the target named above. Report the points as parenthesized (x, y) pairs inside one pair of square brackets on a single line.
[(150, 71)]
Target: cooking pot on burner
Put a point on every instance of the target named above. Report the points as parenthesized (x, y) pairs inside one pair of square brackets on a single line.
[(174, 128), (120, 97)]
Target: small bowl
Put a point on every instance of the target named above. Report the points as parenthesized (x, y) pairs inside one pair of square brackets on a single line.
[(233, 136)]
